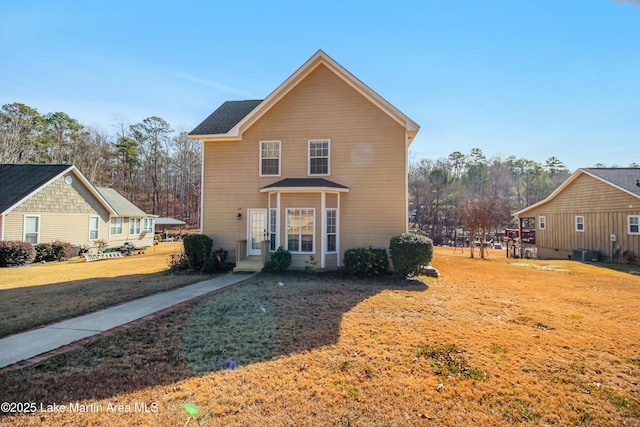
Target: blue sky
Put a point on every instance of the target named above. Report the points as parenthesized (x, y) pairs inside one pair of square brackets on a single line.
[(530, 78)]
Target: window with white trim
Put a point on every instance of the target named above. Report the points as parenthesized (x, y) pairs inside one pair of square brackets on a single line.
[(579, 223), (269, 158), (115, 226), (542, 222), (300, 230), (134, 226), (332, 230), (147, 225), (319, 157), (273, 229), (94, 227), (633, 224), (32, 229)]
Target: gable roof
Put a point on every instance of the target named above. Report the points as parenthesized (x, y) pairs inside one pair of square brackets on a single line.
[(623, 179), (319, 58), (225, 117), (121, 205), (22, 181), (19, 181)]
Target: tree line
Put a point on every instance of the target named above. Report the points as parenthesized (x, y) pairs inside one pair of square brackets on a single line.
[(153, 165), (470, 196), (158, 168)]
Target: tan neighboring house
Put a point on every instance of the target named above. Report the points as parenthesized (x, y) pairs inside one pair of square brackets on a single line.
[(43, 203), (317, 167), (596, 210)]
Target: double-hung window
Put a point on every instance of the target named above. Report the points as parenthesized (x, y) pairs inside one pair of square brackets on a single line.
[(319, 157), (269, 158), (134, 226), (94, 227), (633, 224), (580, 223), (32, 229), (332, 230), (300, 230), (147, 225), (115, 226), (542, 222)]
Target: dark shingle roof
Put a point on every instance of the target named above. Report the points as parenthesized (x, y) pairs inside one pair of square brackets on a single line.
[(17, 181), (305, 182), (625, 178), (225, 117)]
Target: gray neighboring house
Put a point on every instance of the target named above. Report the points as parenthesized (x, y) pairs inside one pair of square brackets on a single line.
[(43, 203)]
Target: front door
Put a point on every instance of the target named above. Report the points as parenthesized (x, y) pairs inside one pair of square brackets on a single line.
[(257, 231)]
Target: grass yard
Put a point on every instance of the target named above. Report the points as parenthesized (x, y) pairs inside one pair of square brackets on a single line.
[(44, 293), (493, 342)]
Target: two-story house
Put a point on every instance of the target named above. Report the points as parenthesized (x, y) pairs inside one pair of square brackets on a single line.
[(317, 167)]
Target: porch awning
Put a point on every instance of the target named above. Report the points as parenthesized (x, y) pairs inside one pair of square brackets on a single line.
[(305, 184)]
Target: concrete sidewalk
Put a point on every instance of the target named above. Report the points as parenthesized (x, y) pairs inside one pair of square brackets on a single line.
[(26, 345)]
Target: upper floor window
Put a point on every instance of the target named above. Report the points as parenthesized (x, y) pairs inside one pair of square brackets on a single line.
[(542, 222), (319, 157), (579, 223), (269, 158), (633, 224)]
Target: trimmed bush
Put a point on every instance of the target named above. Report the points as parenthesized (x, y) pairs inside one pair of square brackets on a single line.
[(365, 262), (44, 252), (16, 252), (55, 251), (197, 248), (279, 260), (409, 252)]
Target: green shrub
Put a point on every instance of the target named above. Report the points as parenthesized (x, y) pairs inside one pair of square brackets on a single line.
[(409, 252), (16, 252), (197, 248), (44, 252), (55, 251), (279, 260), (365, 262), (61, 251), (216, 262)]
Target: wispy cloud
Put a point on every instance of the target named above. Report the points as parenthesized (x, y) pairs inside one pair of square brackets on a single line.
[(215, 85), (633, 2)]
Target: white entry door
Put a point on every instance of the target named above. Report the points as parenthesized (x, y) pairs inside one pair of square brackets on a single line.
[(257, 231)]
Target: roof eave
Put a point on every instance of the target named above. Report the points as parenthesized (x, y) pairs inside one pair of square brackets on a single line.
[(303, 190)]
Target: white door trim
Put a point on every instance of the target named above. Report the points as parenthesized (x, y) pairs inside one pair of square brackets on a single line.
[(255, 237)]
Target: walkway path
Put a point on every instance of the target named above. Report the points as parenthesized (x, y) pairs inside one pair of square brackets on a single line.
[(27, 345)]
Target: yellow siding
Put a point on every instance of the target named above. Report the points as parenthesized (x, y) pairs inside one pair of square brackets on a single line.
[(605, 210), (367, 154)]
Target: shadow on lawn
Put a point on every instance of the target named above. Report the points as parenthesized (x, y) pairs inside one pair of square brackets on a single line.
[(253, 322)]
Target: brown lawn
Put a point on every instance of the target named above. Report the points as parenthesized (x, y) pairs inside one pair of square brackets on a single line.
[(493, 342), (78, 287)]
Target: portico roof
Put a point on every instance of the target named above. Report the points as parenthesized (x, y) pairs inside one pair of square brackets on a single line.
[(303, 185)]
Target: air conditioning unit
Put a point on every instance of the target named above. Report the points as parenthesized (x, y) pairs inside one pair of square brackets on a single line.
[(586, 255)]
